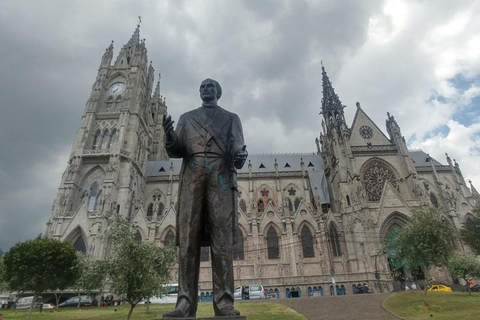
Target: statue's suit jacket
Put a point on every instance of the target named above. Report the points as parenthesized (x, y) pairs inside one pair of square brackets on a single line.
[(219, 133)]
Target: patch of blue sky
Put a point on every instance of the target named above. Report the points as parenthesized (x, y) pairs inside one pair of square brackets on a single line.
[(469, 114), (442, 130), (461, 83)]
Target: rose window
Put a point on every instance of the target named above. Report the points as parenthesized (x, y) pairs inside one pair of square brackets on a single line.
[(366, 132), (374, 178)]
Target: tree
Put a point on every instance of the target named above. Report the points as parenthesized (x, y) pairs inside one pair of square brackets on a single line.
[(463, 266), (470, 234), (39, 265), (426, 240), (92, 275), (138, 270)]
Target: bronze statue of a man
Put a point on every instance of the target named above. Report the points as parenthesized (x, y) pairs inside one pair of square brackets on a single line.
[(210, 141)]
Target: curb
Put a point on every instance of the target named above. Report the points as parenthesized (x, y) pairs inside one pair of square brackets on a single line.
[(393, 314)]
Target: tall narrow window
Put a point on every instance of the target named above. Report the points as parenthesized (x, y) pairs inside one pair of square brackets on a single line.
[(105, 139), (79, 245), (348, 200), (290, 205), (243, 206), (97, 201), (92, 198), (112, 137), (297, 204), (169, 239), (96, 140), (272, 244), (238, 253), (161, 207), (110, 103), (261, 206), (138, 237), (150, 211), (307, 242), (337, 252), (118, 103)]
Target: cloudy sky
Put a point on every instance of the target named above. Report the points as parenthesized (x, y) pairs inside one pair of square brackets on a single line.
[(418, 60)]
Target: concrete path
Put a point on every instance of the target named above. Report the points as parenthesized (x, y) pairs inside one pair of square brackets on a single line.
[(357, 307)]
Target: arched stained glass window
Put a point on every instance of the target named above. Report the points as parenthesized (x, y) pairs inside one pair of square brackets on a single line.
[(97, 140), (238, 250), (110, 103), (307, 242), (97, 201), (118, 103), (105, 139), (261, 206), (169, 239), (111, 141), (297, 204), (161, 207), (79, 245), (243, 206), (150, 211), (336, 250), (138, 237), (92, 198), (272, 244)]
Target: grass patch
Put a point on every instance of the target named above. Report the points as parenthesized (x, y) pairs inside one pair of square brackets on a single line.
[(253, 310), (440, 305)]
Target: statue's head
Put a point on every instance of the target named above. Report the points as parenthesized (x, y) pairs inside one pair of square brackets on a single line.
[(210, 90)]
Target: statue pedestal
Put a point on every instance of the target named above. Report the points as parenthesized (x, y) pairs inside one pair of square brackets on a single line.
[(207, 318)]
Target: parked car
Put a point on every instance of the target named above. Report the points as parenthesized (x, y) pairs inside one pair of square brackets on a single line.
[(439, 288), (169, 297), (47, 306), (241, 293), (257, 291), (26, 302), (85, 301)]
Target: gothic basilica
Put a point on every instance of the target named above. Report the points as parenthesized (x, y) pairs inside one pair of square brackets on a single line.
[(310, 223)]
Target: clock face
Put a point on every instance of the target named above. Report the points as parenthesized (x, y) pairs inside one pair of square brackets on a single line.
[(366, 132), (117, 88)]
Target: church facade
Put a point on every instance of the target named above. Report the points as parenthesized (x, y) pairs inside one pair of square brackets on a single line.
[(310, 224)]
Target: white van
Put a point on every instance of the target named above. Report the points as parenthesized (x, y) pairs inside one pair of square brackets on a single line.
[(26, 302), (169, 297)]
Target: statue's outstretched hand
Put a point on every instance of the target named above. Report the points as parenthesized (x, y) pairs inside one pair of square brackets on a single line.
[(168, 128), (240, 158)]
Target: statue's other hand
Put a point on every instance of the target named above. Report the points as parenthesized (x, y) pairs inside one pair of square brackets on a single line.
[(240, 158), (168, 128)]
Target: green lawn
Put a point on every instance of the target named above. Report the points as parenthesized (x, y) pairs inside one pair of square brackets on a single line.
[(441, 305), (253, 310)]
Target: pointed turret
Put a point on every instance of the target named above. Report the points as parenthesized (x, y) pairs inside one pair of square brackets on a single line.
[(135, 39), (395, 134), (332, 108), (475, 193), (107, 56), (156, 93)]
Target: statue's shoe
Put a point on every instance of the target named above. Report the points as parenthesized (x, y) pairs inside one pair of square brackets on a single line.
[(228, 313), (176, 313)]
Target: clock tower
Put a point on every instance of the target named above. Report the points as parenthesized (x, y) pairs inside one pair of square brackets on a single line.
[(120, 129)]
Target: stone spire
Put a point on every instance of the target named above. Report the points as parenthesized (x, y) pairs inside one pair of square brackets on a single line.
[(107, 56), (156, 93), (332, 108), (135, 39)]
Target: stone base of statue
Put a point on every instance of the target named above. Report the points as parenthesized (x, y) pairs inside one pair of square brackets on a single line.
[(207, 318)]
